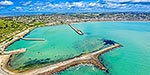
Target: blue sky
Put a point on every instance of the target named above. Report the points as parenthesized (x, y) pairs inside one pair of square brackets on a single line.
[(74, 5)]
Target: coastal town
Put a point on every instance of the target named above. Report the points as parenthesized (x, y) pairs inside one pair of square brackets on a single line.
[(78, 17)]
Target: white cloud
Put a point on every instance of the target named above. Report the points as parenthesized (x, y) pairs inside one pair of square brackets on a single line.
[(38, 3), (92, 4), (78, 4), (118, 0), (66, 5), (18, 8), (98, 1), (73, 5), (140, 0), (128, 0), (47, 6), (2, 7), (27, 3), (114, 5), (6, 2)]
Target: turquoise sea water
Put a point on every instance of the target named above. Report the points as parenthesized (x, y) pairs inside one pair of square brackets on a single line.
[(62, 43)]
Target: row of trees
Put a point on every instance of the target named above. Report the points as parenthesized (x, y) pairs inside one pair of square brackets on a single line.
[(10, 24)]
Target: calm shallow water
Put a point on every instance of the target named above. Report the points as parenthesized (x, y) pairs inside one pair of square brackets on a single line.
[(62, 43)]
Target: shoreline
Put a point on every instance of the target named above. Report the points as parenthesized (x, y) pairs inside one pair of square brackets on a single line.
[(22, 34), (105, 21), (14, 39), (3, 45), (56, 24)]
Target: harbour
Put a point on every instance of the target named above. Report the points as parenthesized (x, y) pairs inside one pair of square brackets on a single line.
[(113, 58)]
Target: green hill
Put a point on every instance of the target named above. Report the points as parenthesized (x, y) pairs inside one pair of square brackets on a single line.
[(9, 28)]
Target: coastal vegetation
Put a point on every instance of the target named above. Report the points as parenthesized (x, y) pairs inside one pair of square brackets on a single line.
[(9, 28)]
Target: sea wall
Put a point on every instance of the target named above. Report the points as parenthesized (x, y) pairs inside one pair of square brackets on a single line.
[(15, 38), (5, 57), (90, 58)]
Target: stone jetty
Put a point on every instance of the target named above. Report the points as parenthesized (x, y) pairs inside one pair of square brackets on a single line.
[(90, 58), (33, 39), (76, 30)]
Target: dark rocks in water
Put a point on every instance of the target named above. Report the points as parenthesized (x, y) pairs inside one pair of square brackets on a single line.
[(88, 33), (29, 58), (10, 65), (107, 71), (106, 64), (35, 61), (47, 59), (101, 59), (109, 42), (42, 60), (103, 62)]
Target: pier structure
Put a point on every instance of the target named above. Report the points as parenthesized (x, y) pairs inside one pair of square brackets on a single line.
[(13, 52), (90, 58), (76, 30), (33, 39)]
